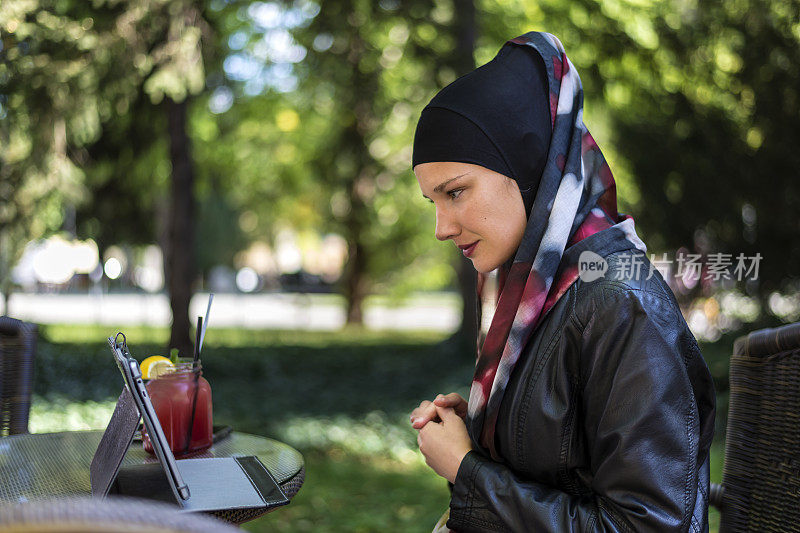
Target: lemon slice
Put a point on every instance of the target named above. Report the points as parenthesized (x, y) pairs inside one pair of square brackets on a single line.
[(156, 365)]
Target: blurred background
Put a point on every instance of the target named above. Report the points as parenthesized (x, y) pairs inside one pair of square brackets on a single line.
[(153, 151)]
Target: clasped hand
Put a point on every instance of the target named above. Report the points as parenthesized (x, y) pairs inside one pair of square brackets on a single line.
[(443, 437)]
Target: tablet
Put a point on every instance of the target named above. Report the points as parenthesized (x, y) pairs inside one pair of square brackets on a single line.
[(207, 484), (132, 375)]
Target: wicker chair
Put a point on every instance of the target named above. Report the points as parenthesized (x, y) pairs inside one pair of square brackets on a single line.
[(114, 515), (17, 351), (760, 488)]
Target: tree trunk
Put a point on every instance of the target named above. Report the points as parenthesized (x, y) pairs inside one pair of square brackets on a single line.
[(179, 260), (354, 283), (6, 299), (355, 276), (465, 33), (467, 284), (463, 61), (6, 265), (360, 188)]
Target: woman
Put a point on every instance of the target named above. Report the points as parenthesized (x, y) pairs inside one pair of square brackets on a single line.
[(591, 408)]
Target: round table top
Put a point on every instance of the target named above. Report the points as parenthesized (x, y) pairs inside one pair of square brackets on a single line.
[(47, 465)]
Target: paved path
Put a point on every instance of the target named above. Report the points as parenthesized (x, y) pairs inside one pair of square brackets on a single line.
[(440, 311)]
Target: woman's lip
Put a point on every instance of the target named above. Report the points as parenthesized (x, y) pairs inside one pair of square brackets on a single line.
[(468, 250)]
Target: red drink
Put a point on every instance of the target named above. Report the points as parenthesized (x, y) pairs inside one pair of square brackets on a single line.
[(173, 397)]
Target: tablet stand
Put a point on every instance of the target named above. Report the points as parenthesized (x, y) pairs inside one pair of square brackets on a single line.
[(215, 484)]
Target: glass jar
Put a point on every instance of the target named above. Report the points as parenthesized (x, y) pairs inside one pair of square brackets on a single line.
[(182, 401)]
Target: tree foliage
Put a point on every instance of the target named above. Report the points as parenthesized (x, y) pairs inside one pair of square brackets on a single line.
[(73, 75), (692, 102), (374, 60), (60, 78), (694, 105)]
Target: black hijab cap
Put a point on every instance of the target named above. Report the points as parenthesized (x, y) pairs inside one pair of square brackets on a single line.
[(497, 116)]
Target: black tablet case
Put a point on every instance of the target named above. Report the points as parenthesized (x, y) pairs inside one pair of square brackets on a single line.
[(215, 484)]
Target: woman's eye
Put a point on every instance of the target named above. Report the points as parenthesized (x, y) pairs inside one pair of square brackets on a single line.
[(455, 193)]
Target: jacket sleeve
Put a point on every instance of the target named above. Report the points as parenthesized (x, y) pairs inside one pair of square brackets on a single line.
[(640, 420)]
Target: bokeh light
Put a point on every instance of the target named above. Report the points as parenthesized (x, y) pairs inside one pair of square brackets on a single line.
[(113, 268), (247, 280)]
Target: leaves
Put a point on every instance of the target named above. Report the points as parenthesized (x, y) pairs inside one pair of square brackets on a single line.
[(303, 115)]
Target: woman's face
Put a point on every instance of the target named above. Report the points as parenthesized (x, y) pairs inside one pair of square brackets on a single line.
[(480, 210)]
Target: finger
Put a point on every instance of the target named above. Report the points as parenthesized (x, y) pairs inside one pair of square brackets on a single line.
[(446, 413), (462, 408), (448, 400), (422, 437), (421, 411), (424, 421), (424, 416), (457, 402)]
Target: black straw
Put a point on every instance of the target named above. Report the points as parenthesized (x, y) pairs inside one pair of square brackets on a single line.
[(190, 428), (197, 340)]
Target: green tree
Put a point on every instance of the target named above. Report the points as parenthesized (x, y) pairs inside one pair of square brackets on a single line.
[(714, 139), (61, 76), (368, 69), (694, 105), (70, 69)]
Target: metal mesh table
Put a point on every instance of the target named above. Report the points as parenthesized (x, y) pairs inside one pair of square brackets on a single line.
[(51, 465)]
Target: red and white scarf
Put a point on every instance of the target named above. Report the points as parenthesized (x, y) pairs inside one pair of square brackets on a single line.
[(576, 198)]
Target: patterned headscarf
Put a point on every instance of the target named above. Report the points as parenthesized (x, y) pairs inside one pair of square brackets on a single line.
[(576, 198)]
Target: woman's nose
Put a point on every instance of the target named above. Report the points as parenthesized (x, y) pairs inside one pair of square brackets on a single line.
[(446, 226)]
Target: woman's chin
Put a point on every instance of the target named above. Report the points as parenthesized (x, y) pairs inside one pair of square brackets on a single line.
[(486, 265), (481, 266)]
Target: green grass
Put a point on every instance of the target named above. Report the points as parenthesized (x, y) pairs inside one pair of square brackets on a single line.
[(341, 398)]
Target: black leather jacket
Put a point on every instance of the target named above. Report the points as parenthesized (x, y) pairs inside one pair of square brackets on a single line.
[(606, 423)]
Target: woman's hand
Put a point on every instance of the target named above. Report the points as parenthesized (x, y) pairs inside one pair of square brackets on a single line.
[(444, 444), (427, 410)]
